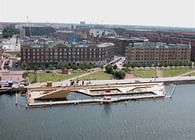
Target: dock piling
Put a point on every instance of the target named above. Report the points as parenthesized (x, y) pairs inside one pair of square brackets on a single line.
[(16, 99), (172, 93)]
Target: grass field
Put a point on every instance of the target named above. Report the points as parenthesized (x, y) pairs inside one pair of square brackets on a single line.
[(145, 73), (99, 75), (44, 77), (175, 72), (192, 74)]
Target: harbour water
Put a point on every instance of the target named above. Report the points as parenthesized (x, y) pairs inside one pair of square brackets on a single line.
[(161, 119)]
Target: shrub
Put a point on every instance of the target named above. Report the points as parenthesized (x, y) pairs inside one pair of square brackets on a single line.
[(115, 67), (109, 69), (119, 74)]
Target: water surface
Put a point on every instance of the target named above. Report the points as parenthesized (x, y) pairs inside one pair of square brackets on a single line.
[(163, 119)]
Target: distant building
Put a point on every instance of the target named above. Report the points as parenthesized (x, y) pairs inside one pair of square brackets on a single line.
[(1, 33), (67, 36), (82, 22), (150, 53), (1, 54), (11, 45), (97, 54), (121, 42), (73, 27), (22, 33), (102, 32), (83, 33), (38, 30)]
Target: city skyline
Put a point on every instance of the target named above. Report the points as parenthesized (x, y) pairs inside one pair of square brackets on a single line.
[(133, 12)]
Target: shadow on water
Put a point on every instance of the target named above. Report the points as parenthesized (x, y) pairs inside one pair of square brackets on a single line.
[(107, 108), (7, 94)]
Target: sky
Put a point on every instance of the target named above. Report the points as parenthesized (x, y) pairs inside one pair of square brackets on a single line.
[(179, 13)]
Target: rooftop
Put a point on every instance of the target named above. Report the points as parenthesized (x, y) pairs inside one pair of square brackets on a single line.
[(69, 44), (158, 45), (128, 38), (88, 44)]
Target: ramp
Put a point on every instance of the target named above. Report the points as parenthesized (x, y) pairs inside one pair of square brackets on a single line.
[(56, 94)]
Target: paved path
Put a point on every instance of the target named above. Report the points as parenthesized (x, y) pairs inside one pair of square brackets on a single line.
[(187, 73), (159, 72), (85, 74), (11, 75)]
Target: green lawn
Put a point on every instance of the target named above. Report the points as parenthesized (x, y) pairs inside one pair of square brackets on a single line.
[(99, 75), (145, 73), (192, 74), (44, 77), (175, 72)]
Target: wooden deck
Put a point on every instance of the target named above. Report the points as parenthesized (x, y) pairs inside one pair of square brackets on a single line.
[(98, 100)]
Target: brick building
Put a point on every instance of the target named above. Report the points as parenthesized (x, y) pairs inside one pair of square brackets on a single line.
[(165, 36), (97, 54), (121, 43), (150, 53), (1, 55)]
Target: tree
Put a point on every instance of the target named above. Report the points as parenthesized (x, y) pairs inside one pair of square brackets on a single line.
[(42, 67), (189, 64), (115, 67), (9, 32), (126, 65), (18, 54), (35, 67), (143, 65), (126, 69), (74, 66), (65, 66), (109, 69), (89, 66), (133, 65), (138, 65), (82, 66), (25, 74), (119, 74), (165, 65), (50, 67), (24, 66), (60, 66)]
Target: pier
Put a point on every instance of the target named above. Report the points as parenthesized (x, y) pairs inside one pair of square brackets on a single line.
[(101, 94), (99, 101), (12, 90)]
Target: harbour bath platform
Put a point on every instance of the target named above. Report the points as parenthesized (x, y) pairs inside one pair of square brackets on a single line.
[(102, 93)]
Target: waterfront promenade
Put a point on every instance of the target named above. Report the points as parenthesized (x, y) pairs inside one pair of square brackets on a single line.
[(181, 79)]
